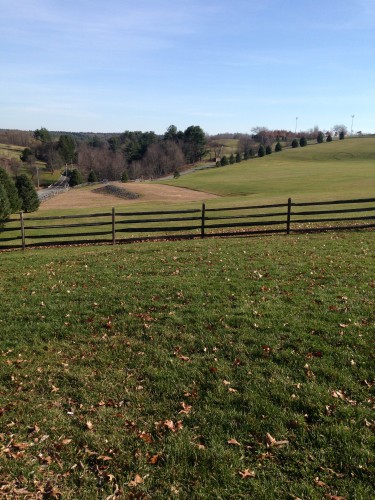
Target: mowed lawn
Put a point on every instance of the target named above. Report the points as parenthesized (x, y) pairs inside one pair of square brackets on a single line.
[(335, 170), (237, 368)]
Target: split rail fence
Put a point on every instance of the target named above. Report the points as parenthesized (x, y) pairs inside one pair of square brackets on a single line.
[(124, 226)]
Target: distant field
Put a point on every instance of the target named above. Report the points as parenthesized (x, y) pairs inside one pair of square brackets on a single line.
[(339, 169)]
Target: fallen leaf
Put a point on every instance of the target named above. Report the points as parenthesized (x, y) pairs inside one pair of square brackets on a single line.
[(246, 473), (186, 409), (271, 441), (136, 481), (89, 425), (66, 441), (234, 441)]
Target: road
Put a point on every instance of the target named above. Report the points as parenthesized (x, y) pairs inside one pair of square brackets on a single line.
[(58, 187)]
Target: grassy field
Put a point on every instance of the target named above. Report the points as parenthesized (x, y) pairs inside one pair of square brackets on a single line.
[(236, 368), (339, 169)]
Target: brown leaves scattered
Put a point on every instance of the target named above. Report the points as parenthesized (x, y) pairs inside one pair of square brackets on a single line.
[(177, 353), (186, 408), (136, 481), (341, 395), (89, 425)]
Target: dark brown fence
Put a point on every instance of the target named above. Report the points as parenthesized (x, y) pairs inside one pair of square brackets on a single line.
[(112, 227)]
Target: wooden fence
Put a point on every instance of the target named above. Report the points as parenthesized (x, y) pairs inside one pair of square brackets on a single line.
[(116, 227)]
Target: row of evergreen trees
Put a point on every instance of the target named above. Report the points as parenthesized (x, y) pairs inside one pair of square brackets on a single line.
[(16, 195)]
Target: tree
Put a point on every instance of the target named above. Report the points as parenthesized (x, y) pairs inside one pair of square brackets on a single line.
[(341, 135), (261, 151), (224, 161), (268, 149), (278, 147), (26, 153), (303, 142), (5, 209), (329, 138), (340, 128), (11, 191), (232, 159), (92, 177), (295, 143), (42, 135), (320, 137), (75, 177), (194, 143), (238, 157), (66, 148), (27, 193), (124, 176)]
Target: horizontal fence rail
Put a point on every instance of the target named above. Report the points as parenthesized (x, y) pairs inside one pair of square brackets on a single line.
[(111, 227)]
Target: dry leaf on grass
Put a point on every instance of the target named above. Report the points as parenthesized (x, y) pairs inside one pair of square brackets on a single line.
[(234, 442), (271, 441), (246, 473)]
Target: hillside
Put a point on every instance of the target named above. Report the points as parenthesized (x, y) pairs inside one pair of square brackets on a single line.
[(320, 171)]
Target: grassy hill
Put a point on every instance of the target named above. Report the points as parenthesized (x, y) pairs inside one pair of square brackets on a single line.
[(340, 169), (208, 369)]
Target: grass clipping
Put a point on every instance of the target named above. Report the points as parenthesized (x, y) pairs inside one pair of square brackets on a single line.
[(118, 191)]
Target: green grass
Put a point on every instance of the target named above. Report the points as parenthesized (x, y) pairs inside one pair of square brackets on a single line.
[(335, 170), (129, 369)]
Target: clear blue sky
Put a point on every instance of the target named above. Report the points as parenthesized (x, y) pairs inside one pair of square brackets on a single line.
[(115, 65)]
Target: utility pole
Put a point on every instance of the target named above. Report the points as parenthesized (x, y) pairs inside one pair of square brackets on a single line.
[(351, 130), (296, 124)]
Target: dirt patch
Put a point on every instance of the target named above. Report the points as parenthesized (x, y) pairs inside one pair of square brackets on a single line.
[(87, 197)]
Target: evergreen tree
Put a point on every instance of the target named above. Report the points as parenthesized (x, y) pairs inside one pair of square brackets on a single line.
[(295, 143), (268, 150), (11, 191), (320, 138), (238, 158), (232, 159), (329, 138), (4, 204), (303, 142), (246, 154), (75, 178), (261, 151), (224, 161), (66, 148), (92, 177), (27, 193), (278, 147), (124, 177), (341, 135)]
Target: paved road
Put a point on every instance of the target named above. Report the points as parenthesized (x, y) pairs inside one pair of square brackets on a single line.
[(58, 187)]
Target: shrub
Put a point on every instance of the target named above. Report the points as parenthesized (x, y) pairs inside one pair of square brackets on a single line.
[(268, 150), (295, 143), (278, 147), (75, 178), (176, 174), (320, 137), (27, 193), (341, 135), (303, 142), (232, 159), (261, 151), (329, 138), (238, 158), (124, 177)]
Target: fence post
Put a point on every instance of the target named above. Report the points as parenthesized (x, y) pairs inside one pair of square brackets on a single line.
[(113, 226), (203, 219), (22, 231), (288, 216)]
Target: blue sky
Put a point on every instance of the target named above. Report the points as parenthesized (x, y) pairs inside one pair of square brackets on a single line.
[(115, 65)]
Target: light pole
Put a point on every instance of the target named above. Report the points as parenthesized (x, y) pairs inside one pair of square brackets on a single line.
[(296, 124), (351, 131)]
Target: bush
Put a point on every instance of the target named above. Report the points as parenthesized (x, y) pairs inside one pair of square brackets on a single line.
[(278, 147), (329, 138), (27, 193), (341, 135), (261, 151), (268, 150), (238, 158), (176, 174), (124, 177), (295, 143), (320, 137), (232, 159), (303, 142)]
